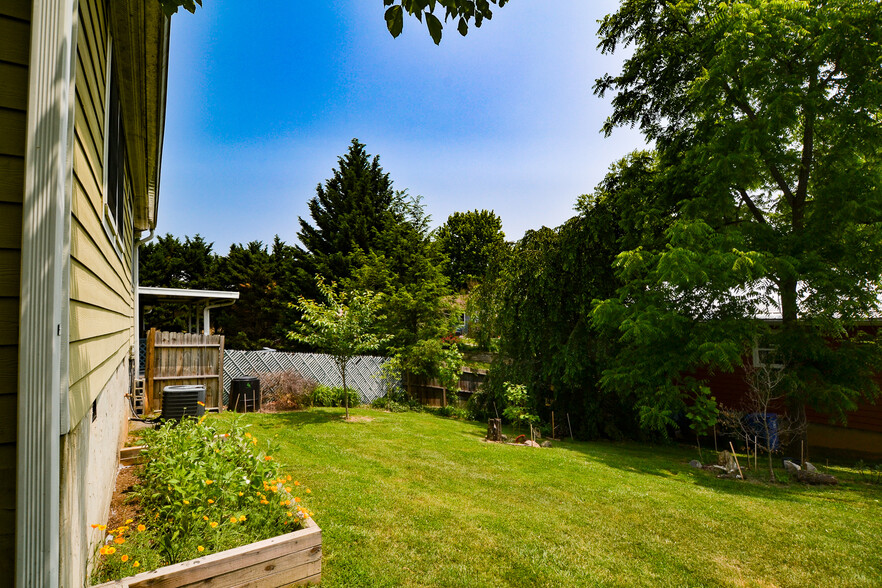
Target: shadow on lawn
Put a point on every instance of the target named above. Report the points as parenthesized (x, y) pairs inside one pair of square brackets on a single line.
[(672, 463), (296, 419)]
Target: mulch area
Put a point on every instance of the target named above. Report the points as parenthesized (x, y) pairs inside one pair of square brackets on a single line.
[(122, 508)]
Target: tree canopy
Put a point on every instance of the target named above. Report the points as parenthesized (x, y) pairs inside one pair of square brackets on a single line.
[(468, 239), (765, 115)]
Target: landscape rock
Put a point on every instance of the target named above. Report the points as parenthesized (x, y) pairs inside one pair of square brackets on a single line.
[(531, 443), (791, 467), (695, 464), (546, 444), (718, 468), (810, 468), (807, 477), (505, 438)]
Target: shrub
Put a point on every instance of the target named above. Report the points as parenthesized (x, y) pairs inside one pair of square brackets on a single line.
[(285, 390), (201, 491), (327, 396)]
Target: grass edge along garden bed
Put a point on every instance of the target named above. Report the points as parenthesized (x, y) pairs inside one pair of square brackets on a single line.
[(292, 559)]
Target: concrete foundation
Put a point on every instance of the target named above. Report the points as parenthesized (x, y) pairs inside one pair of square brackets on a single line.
[(89, 464)]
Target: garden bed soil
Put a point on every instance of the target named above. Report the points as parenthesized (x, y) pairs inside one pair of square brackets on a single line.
[(121, 508)]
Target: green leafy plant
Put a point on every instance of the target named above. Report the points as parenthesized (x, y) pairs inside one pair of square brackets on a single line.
[(873, 475), (202, 490), (342, 326), (517, 398), (334, 396)]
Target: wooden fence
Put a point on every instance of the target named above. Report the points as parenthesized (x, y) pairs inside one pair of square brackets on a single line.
[(430, 392), (174, 359)]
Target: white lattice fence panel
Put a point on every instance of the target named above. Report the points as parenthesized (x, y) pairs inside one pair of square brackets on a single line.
[(363, 373)]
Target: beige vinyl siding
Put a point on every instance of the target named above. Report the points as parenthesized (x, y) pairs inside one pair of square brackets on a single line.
[(15, 36), (101, 300)]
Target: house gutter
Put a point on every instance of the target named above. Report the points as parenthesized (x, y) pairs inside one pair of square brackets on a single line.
[(44, 296)]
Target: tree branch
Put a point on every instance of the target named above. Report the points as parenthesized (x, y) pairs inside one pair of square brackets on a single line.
[(754, 209)]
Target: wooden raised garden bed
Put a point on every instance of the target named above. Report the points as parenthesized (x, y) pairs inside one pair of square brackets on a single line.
[(293, 559)]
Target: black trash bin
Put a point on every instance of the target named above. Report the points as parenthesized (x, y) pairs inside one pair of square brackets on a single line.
[(245, 394)]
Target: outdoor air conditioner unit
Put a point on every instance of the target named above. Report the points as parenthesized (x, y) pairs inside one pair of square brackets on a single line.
[(181, 401)]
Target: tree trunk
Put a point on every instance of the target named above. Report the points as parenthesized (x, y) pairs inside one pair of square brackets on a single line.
[(345, 391)]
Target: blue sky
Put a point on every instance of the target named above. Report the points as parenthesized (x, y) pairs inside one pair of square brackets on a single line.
[(262, 102)]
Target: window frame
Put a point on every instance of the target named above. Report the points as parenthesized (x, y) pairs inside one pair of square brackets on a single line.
[(113, 213)]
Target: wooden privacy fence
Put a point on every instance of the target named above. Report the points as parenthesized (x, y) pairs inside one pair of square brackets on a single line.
[(175, 359)]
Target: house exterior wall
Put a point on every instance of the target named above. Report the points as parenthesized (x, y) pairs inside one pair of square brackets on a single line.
[(101, 297), (14, 42), (89, 459)]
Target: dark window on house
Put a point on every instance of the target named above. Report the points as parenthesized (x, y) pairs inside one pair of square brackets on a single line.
[(116, 158)]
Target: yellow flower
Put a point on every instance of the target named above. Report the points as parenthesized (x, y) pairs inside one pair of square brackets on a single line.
[(210, 501), (125, 558), (296, 483), (241, 494), (254, 441), (200, 549), (264, 501), (308, 491), (289, 514), (248, 435), (296, 499), (130, 521), (207, 482), (142, 528), (242, 518), (204, 518), (233, 519), (186, 502), (136, 564), (213, 524), (102, 527), (111, 550), (288, 477)]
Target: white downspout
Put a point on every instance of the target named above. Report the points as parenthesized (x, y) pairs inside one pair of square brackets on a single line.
[(206, 322), (136, 282)]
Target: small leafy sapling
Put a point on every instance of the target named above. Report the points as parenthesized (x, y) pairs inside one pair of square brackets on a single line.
[(702, 415)]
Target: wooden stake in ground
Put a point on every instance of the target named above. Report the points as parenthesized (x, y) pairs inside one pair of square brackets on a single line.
[(732, 447), (570, 425), (552, 426), (717, 449), (755, 454)]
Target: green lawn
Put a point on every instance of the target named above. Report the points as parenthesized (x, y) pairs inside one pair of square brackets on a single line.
[(416, 500)]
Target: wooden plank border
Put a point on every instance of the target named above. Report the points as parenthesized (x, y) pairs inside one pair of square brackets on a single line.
[(293, 559)]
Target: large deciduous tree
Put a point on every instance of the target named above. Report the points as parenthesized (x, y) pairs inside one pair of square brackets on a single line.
[(766, 117), (468, 239)]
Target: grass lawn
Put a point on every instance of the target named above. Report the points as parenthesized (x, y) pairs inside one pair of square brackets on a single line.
[(415, 500)]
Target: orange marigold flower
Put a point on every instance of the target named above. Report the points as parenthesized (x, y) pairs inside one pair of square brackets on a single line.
[(200, 549), (308, 491), (130, 521), (136, 564), (288, 477), (204, 518), (248, 435), (296, 499), (125, 558), (289, 514), (213, 524), (233, 519), (268, 457), (209, 482), (119, 540), (111, 550), (142, 528), (264, 501), (210, 501), (94, 525), (296, 483), (241, 494), (242, 518)]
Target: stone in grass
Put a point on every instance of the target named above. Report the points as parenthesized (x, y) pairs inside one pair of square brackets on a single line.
[(810, 468), (807, 477), (695, 464), (791, 467), (531, 443), (546, 444), (505, 438)]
